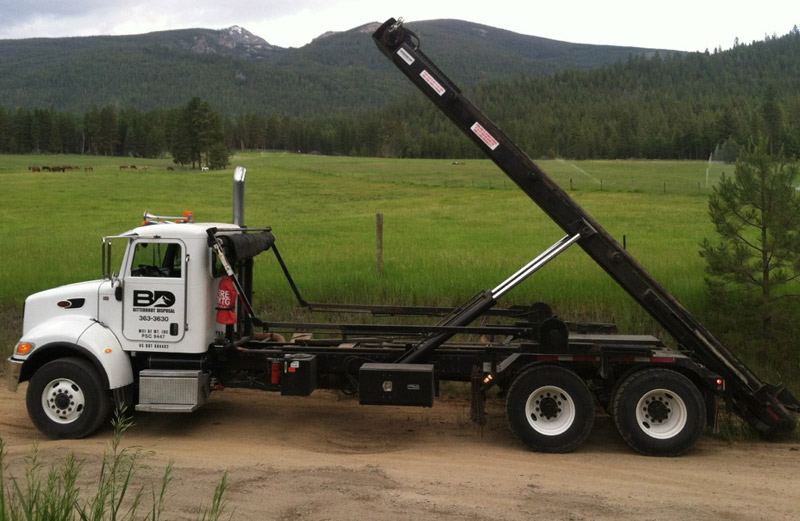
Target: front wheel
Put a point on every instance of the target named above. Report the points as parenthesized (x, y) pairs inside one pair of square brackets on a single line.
[(66, 399), (550, 409), (659, 412)]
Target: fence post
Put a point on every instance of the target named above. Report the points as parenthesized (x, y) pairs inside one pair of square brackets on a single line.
[(379, 230)]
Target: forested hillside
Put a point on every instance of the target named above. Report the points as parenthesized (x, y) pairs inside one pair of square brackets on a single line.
[(665, 105), (239, 73), (679, 106)]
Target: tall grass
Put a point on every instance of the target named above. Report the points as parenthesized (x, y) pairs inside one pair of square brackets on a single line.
[(441, 243), (447, 233), (53, 494)]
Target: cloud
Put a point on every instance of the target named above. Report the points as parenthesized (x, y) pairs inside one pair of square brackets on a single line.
[(680, 24), (33, 18), (13, 12), (281, 22)]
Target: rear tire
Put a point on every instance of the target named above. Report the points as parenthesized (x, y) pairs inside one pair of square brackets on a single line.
[(659, 412), (550, 409), (66, 399)]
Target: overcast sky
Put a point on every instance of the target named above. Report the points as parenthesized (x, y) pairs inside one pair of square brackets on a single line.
[(689, 25)]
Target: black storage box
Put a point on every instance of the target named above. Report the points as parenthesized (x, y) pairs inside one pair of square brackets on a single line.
[(299, 375), (396, 384)]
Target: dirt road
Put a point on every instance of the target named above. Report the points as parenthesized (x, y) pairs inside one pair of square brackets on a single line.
[(328, 458)]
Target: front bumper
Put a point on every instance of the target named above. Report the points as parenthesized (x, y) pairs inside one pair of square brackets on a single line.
[(13, 370)]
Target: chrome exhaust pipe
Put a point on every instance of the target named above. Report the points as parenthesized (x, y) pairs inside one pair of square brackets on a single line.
[(238, 195)]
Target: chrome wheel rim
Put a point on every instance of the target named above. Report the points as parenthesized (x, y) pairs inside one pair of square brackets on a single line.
[(550, 410), (661, 414), (63, 401)]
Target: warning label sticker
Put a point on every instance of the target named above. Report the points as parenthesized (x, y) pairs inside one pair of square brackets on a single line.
[(402, 53), (484, 136), (430, 80)]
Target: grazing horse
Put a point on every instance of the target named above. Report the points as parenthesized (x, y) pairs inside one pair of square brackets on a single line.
[(170, 168), (123, 167), (88, 169), (34, 169), (46, 168)]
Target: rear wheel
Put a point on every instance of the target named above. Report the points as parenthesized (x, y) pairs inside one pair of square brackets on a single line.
[(66, 399), (659, 412), (550, 409)]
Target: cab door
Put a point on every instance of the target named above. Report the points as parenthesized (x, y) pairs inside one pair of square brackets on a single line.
[(154, 295)]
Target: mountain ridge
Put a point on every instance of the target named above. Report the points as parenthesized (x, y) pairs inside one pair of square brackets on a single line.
[(238, 71)]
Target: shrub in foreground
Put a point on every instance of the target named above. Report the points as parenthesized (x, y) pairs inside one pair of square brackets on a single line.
[(53, 494)]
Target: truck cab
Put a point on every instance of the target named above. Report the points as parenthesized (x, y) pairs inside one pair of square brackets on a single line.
[(80, 342), (164, 296)]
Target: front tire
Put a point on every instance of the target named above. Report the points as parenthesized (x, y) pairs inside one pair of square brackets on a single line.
[(66, 399), (550, 409), (659, 412)]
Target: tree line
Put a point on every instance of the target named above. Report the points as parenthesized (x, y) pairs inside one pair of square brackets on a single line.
[(681, 106), (192, 135)]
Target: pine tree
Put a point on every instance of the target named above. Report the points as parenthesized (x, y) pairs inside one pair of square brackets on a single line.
[(756, 214), (197, 132), (772, 114)]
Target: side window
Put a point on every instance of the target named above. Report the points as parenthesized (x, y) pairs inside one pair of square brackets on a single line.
[(157, 259)]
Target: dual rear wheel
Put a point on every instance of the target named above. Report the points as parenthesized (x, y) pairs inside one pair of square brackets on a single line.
[(550, 409), (658, 411)]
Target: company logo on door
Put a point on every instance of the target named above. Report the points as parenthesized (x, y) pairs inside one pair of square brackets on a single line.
[(143, 298)]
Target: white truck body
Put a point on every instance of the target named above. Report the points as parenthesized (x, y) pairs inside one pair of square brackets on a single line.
[(160, 308)]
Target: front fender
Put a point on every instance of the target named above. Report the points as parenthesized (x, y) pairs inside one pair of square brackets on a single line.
[(81, 336), (61, 329), (103, 344)]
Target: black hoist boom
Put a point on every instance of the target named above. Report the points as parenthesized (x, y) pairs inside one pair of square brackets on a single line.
[(768, 407)]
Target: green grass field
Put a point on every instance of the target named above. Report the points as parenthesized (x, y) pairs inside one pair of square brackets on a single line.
[(450, 230)]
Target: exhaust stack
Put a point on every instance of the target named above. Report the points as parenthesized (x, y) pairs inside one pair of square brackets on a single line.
[(238, 195)]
